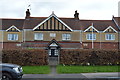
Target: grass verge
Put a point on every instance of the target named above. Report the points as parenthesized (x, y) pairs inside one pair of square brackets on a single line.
[(87, 69), (36, 69)]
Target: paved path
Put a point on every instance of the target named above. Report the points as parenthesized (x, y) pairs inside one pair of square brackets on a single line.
[(53, 69)]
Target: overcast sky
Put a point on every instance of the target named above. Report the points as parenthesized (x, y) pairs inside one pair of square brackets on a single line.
[(88, 9)]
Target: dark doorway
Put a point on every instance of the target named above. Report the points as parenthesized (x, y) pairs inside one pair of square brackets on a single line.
[(53, 52)]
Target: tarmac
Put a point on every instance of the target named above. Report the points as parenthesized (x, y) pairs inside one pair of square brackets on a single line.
[(81, 75)]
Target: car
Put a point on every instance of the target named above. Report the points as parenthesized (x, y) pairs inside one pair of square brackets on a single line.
[(11, 71)]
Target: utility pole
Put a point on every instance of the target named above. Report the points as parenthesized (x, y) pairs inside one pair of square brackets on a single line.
[(92, 37)]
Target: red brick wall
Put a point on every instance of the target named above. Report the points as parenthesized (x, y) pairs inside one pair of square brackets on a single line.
[(37, 44), (11, 45), (73, 45), (103, 45)]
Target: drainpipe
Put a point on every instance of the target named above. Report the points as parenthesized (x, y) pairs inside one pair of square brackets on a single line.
[(81, 39), (100, 39), (2, 38), (92, 38), (118, 40)]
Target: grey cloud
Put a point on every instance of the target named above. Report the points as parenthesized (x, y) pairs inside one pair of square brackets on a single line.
[(64, 8)]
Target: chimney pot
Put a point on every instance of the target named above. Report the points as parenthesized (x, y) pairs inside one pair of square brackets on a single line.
[(76, 15), (27, 13)]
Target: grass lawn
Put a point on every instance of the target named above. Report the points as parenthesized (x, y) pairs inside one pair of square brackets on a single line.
[(36, 69), (86, 69)]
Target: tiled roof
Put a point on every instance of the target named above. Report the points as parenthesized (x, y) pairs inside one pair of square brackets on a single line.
[(84, 24), (100, 25), (73, 23), (7, 23), (32, 22), (117, 21)]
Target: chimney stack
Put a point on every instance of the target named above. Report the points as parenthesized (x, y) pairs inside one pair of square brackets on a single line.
[(27, 13), (76, 15)]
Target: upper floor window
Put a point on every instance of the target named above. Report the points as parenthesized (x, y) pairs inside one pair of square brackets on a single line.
[(38, 36), (110, 37), (52, 35), (91, 36), (12, 37), (66, 36)]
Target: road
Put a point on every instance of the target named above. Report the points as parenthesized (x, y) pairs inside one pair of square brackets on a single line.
[(82, 76)]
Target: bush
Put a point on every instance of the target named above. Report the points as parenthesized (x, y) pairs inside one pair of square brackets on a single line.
[(90, 57), (25, 57), (67, 57)]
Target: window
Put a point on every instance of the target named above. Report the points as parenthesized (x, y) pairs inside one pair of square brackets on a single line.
[(49, 52), (66, 37), (38, 36), (56, 52), (12, 37), (18, 45), (52, 35), (110, 37), (91, 36)]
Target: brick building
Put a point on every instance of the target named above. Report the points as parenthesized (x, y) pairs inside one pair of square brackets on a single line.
[(55, 33)]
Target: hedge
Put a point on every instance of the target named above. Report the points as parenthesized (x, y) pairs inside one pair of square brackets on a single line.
[(25, 57), (67, 57), (90, 57)]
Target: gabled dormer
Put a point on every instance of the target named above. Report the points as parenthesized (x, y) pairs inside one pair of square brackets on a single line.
[(13, 29), (91, 29), (52, 23), (110, 29)]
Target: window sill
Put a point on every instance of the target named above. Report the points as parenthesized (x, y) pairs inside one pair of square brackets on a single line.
[(91, 39), (66, 40), (109, 40), (12, 40), (38, 40)]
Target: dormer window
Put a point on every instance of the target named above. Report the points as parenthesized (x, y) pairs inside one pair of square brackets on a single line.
[(91, 29), (13, 29), (110, 29)]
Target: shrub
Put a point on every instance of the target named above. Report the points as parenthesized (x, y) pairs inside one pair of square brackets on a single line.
[(90, 57), (25, 57)]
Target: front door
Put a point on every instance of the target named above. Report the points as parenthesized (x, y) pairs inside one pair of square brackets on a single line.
[(53, 52)]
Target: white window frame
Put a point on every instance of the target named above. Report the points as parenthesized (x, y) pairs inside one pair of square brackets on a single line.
[(38, 36), (56, 52), (109, 36), (66, 36), (91, 36), (12, 37), (52, 34)]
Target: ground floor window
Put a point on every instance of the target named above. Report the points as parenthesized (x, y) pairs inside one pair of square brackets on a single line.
[(91, 36), (38, 36), (53, 52), (66, 36), (12, 37), (110, 37)]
